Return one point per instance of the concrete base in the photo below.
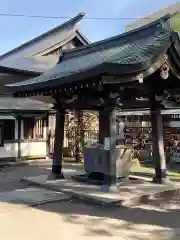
(86, 178)
(124, 194)
(165, 180)
(53, 176)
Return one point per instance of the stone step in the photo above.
(126, 194)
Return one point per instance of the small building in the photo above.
(23, 128)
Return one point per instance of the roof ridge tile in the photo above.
(67, 54)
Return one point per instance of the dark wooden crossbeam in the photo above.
(135, 104)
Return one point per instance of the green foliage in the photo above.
(76, 129)
(135, 154)
(175, 23)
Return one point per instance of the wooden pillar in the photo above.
(103, 125)
(58, 143)
(16, 129)
(46, 133)
(109, 132)
(22, 128)
(112, 133)
(19, 137)
(34, 128)
(158, 152)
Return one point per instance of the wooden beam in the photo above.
(110, 132)
(84, 104)
(103, 125)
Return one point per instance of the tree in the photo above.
(175, 22)
(79, 124)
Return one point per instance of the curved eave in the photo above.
(8, 70)
(126, 74)
(174, 55)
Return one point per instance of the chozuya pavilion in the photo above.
(105, 75)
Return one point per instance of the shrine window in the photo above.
(28, 127)
(38, 129)
(1, 136)
(9, 130)
(33, 128)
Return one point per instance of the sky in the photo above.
(15, 31)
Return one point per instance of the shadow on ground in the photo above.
(134, 223)
(146, 221)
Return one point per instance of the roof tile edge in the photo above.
(125, 34)
(73, 20)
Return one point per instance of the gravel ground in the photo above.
(10, 176)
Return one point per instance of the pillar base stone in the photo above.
(110, 188)
(109, 179)
(161, 176)
(57, 172)
(165, 180)
(53, 176)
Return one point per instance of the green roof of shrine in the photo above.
(132, 52)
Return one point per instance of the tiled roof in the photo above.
(11, 70)
(46, 39)
(32, 55)
(36, 64)
(141, 47)
(25, 104)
